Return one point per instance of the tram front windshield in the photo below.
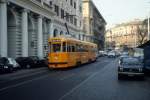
(56, 47)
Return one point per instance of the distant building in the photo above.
(125, 35)
(93, 23)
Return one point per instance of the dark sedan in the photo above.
(5, 65)
(130, 66)
(28, 62)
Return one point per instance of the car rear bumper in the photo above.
(4, 69)
(131, 73)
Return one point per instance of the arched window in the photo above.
(61, 33)
(66, 33)
(55, 32)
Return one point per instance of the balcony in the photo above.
(43, 3)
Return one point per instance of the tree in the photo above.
(142, 32)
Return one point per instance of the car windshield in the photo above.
(131, 61)
(10, 60)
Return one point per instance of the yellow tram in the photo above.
(69, 52)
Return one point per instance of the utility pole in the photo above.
(148, 23)
(148, 28)
(68, 16)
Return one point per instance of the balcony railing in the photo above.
(42, 3)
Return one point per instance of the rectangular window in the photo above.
(57, 10)
(64, 47)
(50, 2)
(62, 13)
(80, 8)
(71, 19)
(73, 48)
(69, 48)
(75, 5)
(49, 50)
(75, 21)
(71, 2)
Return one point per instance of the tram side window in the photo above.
(49, 50)
(81, 48)
(64, 47)
(73, 48)
(56, 47)
(69, 48)
(77, 48)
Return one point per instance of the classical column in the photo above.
(24, 33)
(51, 29)
(3, 28)
(40, 37)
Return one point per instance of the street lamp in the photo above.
(148, 24)
(148, 27)
(66, 22)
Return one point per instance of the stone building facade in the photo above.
(93, 23)
(26, 25)
(70, 12)
(124, 35)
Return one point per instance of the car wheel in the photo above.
(142, 77)
(11, 69)
(28, 66)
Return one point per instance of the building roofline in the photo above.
(94, 6)
(98, 11)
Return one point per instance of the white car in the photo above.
(111, 54)
(14, 63)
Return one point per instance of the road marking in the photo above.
(21, 72)
(82, 83)
(22, 76)
(75, 88)
(22, 83)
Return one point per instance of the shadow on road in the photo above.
(135, 78)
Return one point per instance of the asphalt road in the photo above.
(95, 81)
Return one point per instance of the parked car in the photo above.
(124, 54)
(101, 53)
(111, 54)
(105, 53)
(7, 64)
(14, 63)
(130, 66)
(30, 62)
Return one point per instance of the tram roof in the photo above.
(71, 39)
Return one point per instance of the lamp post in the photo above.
(148, 23)
(148, 28)
(66, 23)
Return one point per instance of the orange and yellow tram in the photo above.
(69, 52)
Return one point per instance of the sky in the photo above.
(118, 11)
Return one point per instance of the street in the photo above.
(95, 81)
